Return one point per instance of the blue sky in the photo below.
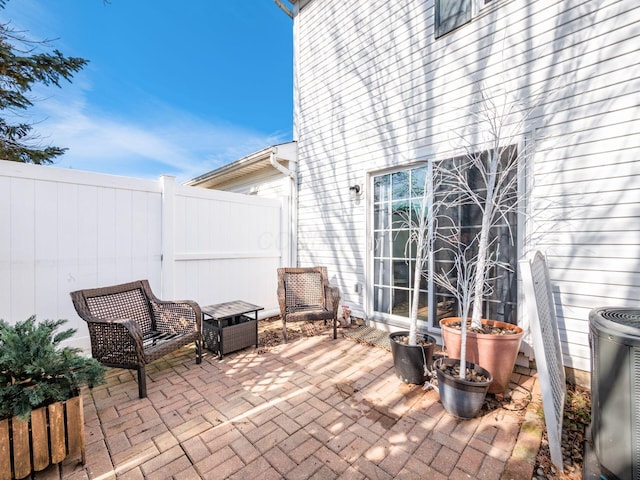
(177, 88)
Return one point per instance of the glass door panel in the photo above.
(397, 198)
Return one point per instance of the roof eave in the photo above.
(245, 166)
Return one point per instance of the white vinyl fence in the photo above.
(63, 230)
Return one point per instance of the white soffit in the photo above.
(252, 163)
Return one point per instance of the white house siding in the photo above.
(267, 182)
(375, 90)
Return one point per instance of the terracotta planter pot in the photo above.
(496, 353)
(51, 434)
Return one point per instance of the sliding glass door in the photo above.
(395, 208)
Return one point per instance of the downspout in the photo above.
(293, 205)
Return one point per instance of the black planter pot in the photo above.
(410, 360)
(461, 398)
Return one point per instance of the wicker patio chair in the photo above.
(305, 294)
(129, 327)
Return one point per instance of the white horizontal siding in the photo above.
(427, 71)
(267, 183)
(375, 90)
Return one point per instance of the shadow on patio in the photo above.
(313, 408)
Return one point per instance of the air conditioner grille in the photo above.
(629, 318)
(635, 409)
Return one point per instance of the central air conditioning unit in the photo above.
(614, 336)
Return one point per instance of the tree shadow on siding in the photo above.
(382, 93)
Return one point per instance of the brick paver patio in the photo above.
(315, 408)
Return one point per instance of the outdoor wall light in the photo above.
(355, 191)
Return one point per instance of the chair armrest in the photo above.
(115, 335)
(332, 298)
(177, 316)
(128, 324)
(282, 301)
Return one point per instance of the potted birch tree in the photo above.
(483, 181)
(487, 184)
(462, 389)
(412, 351)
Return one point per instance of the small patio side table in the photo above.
(230, 326)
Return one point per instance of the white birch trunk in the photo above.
(463, 348)
(413, 323)
(483, 243)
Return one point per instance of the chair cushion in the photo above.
(308, 313)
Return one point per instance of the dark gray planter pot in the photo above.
(461, 398)
(410, 360)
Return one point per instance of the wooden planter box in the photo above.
(53, 433)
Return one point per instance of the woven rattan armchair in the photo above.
(305, 294)
(129, 327)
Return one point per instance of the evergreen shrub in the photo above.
(35, 371)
